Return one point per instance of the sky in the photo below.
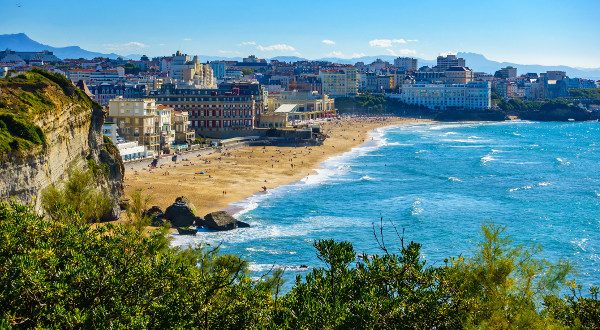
(547, 32)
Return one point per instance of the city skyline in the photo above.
(546, 33)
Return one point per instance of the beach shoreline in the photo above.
(224, 179)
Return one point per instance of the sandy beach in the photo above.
(212, 181)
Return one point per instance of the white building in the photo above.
(339, 82)
(128, 150)
(406, 64)
(473, 95)
(184, 69)
(164, 124)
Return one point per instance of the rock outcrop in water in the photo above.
(222, 220)
(48, 127)
(181, 213)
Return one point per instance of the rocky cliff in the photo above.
(48, 127)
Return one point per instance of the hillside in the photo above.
(21, 42)
(49, 128)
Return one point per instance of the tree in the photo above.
(247, 71)
(78, 195)
(58, 272)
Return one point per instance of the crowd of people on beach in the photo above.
(246, 168)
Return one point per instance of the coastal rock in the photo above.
(187, 231)
(156, 216)
(181, 213)
(242, 224)
(222, 220)
(68, 136)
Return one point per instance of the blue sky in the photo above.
(523, 31)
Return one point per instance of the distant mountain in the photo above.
(210, 58)
(478, 62)
(133, 57)
(371, 59)
(288, 58)
(21, 42)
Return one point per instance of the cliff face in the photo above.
(70, 129)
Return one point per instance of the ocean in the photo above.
(438, 183)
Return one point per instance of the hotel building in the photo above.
(136, 121)
(458, 75)
(339, 81)
(473, 95)
(212, 112)
(445, 62)
(406, 64)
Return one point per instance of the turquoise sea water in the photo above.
(440, 182)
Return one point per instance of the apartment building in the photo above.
(339, 81)
(473, 95)
(187, 70)
(136, 121)
(448, 61)
(458, 75)
(212, 112)
(181, 123)
(406, 64)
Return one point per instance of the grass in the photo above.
(28, 97)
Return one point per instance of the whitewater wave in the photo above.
(256, 267)
(581, 243)
(562, 161)
(333, 167)
(489, 157)
(454, 179)
(398, 144)
(366, 178)
(268, 251)
(520, 188)
(416, 207)
(260, 231)
(468, 140)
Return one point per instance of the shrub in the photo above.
(78, 195)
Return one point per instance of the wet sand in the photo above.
(212, 181)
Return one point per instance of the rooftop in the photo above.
(286, 108)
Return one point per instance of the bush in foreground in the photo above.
(63, 273)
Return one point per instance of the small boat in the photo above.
(571, 119)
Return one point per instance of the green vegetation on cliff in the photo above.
(590, 95)
(28, 97)
(62, 273)
(79, 195)
(544, 110)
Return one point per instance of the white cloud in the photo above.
(345, 56)
(328, 42)
(128, 46)
(401, 52)
(248, 43)
(448, 52)
(276, 47)
(387, 43)
(187, 39)
(228, 52)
